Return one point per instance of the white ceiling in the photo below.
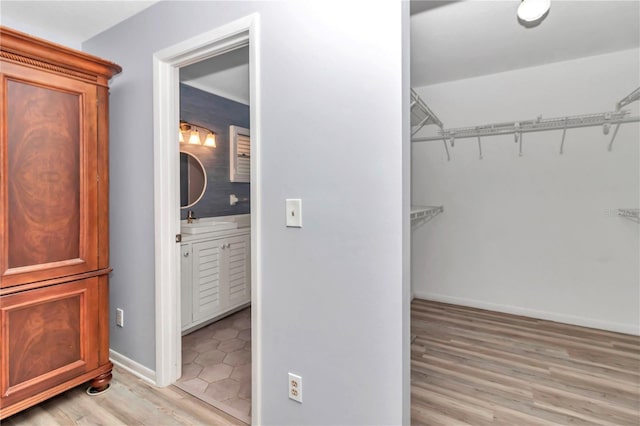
(450, 40)
(226, 75)
(466, 39)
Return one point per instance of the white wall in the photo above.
(536, 235)
(37, 31)
(334, 293)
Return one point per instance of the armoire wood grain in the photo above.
(44, 190)
(54, 190)
(51, 337)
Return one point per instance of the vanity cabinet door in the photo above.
(186, 285)
(206, 278)
(215, 278)
(238, 270)
(48, 174)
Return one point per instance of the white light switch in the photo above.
(294, 212)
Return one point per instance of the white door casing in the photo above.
(166, 65)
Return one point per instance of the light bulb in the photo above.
(180, 137)
(532, 10)
(210, 140)
(194, 139)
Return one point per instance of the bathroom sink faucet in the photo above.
(190, 216)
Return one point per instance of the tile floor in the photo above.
(216, 364)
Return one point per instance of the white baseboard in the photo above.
(633, 329)
(138, 370)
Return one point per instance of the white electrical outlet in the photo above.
(295, 387)
(119, 317)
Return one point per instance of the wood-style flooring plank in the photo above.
(488, 368)
(130, 401)
(469, 367)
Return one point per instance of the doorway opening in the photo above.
(169, 307)
(215, 202)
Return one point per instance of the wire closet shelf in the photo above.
(518, 128)
(421, 115)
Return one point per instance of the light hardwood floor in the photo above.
(130, 401)
(470, 366)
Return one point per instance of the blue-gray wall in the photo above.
(217, 114)
(333, 299)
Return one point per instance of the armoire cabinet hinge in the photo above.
(178, 238)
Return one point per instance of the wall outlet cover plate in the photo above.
(294, 212)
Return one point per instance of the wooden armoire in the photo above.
(54, 220)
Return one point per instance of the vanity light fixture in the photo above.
(533, 11)
(194, 135)
(194, 139)
(210, 141)
(184, 127)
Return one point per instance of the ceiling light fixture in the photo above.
(533, 11)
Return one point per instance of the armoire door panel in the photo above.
(49, 335)
(40, 331)
(44, 189)
(50, 198)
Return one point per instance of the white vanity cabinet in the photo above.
(215, 275)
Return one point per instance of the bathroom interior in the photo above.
(215, 284)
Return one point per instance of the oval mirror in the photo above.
(193, 180)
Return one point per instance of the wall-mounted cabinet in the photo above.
(215, 275)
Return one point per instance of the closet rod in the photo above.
(539, 125)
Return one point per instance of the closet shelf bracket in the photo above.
(425, 212)
(631, 97)
(631, 214)
(421, 115)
